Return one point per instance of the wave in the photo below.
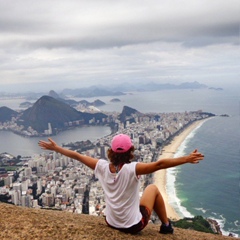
(174, 201)
(201, 210)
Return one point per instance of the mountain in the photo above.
(6, 114)
(98, 103)
(74, 103)
(192, 85)
(61, 97)
(92, 92)
(165, 86)
(129, 114)
(151, 86)
(50, 110)
(119, 89)
(95, 103)
(53, 94)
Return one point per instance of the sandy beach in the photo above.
(168, 152)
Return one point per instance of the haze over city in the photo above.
(74, 44)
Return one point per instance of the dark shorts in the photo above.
(140, 225)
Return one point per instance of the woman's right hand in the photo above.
(51, 145)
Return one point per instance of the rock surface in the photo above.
(32, 224)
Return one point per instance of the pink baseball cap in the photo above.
(121, 143)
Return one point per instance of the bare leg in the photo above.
(153, 200)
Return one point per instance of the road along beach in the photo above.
(159, 178)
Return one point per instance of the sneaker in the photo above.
(166, 229)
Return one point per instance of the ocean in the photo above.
(211, 188)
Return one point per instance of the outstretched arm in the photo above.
(146, 168)
(51, 145)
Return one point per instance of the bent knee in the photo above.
(152, 187)
(149, 196)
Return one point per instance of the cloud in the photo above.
(101, 40)
(96, 24)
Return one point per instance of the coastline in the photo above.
(159, 178)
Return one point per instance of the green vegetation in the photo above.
(197, 223)
(11, 168)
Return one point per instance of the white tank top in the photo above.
(121, 194)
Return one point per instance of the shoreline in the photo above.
(160, 177)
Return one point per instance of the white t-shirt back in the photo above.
(121, 194)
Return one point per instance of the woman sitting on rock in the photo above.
(120, 179)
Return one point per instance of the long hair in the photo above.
(120, 158)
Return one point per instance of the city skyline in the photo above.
(62, 44)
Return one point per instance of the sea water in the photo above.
(211, 188)
(25, 146)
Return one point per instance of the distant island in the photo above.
(25, 105)
(115, 100)
(217, 89)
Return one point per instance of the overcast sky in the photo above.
(74, 43)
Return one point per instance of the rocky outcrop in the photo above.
(27, 223)
(215, 226)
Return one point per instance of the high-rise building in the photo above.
(24, 185)
(49, 200)
(15, 197)
(26, 201)
(49, 129)
(39, 185)
(35, 203)
(102, 152)
(27, 171)
(17, 187)
(54, 190)
(8, 180)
